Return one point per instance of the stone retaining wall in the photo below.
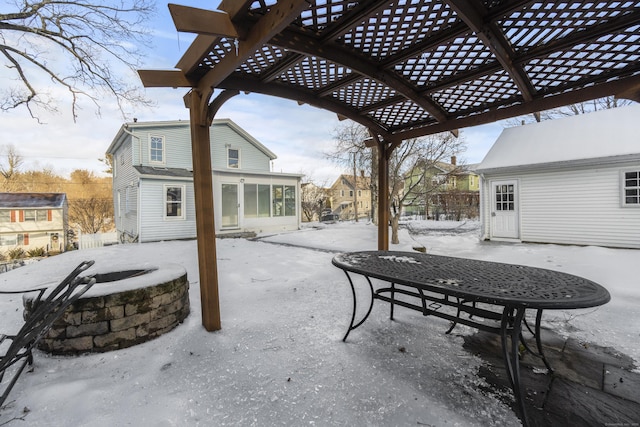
(119, 320)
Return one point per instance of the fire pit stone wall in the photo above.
(122, 309)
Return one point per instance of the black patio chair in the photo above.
(47, 307)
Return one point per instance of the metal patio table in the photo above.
(489, 296)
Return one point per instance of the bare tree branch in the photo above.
(82, 46)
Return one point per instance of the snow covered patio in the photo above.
(279, 359)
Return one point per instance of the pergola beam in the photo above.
(309, 46)
(304, 97)
(474, 14)
(164, 78)
(622, 88)
(278, 18)
(201, 21)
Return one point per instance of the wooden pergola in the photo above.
(401, 68)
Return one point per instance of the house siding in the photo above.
(578, 206)
(142, 218)
(260, 224)
(250, 158)
(126, 178)
(153, 223)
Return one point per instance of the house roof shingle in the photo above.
(32, 200)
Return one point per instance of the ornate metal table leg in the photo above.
(510, 330)
(355, 306)
(393, 294)
(539, 342)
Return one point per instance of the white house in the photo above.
(574, 180)
(33, 220)
(153, 183)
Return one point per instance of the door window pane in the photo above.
(229, 205)
(505, 198)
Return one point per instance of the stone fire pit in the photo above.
(124, 308)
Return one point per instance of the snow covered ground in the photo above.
(279, 358)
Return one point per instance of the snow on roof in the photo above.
(32, 200)
(597, 135)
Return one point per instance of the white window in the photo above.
(233, 158)
(174, 201)
(631, 188)
(5, 215)
(257, 200)
(10, 240)
(284, 200)
(156, 149)
(29, 215)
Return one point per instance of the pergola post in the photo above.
(203, 190)
(383, 195)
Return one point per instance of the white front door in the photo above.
(504, 209)
(230, 206)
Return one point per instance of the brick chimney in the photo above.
(453, 160)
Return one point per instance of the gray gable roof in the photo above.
(593, 138)
(32, 200)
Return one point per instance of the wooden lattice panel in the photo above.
(363, 93)
(478, 94)
(401, 25)
(403, 112)
(585, 61)
(323, 12)
(445, 60)
(406, 68)
(543, 23)
(262, 60)
(314, 73)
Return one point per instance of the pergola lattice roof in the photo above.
(407, 68)
(402, 68)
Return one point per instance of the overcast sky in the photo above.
(298, 135)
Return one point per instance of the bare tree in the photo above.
(75, 44)
(407, 167)
(313, 199)
(10, 162)
(91, 215)
(90, 202)
(350, 137)
(410, 156)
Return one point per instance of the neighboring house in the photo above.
(446, 189)
(153, 183)
(314, 201)
(33, 220)
(347, 196)
(574, 180)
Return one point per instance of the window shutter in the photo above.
(49, 215)
(21, 216)
(26, 239)
(13, 216)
